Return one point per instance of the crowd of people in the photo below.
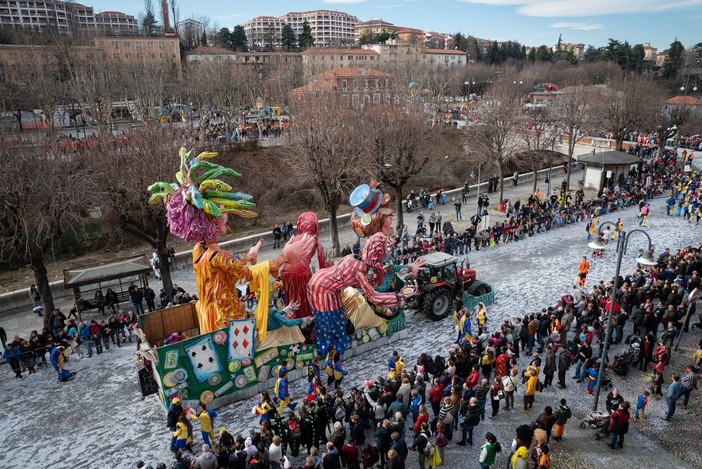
(539, 213)
(417, 411)
(82, 339)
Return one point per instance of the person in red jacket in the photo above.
(619, 424)
(473, 377)
(436, 394)
(96, 335)
(350, 454)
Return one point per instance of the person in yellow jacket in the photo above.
(205, 418)
(519, 459)
(181, 433)
(530, 389)
(482, 318)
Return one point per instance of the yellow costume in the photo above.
(216, 273)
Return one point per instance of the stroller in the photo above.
(595, 420)
(623, 362)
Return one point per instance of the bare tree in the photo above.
(575, 117)
(538, 130)
(626, 106)
(43, 196)
(402, 143)
(150, 154)
(329, 147)
(495, 137)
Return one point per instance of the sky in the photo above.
(531, 22)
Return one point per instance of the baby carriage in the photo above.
(595, 420)
(623, 362)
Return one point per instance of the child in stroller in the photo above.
(624, 361)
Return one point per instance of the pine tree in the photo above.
(305, 39)
(675, 60)
(287, 38)
(238, 40)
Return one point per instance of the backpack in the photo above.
(340, 413)
(497, 447)
(539, 386)
(429, 448)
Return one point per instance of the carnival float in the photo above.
(216, 350)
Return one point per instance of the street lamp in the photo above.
(646, 259)
(477, 189)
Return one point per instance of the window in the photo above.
(365, 84)
(344, 85)
(376, 98)
(377, 84)
(115, 45)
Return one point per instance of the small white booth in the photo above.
(606, 168)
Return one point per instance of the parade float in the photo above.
(214, 351)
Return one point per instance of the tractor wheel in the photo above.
(479, 288)
(438, 304)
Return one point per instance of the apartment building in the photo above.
(577, 49)
(316, 61)
(64, 17)
(329, 28)
(394, 53)
(163, 51)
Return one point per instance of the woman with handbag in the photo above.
(496, 393)
(509, 386)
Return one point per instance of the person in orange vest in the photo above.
(583, 270)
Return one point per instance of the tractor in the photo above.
(438, 283)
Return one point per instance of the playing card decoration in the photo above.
(241, 339)
(203, 358)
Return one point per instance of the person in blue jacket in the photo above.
(281, 391)
(11, 354)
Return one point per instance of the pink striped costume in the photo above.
(325, 286)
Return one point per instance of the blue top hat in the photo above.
(366, 200)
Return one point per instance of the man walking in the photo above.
(675, 390)
(457, 206)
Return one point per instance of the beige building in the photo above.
(577, 49)
(649, 52)
(164, 51)
(372, 27)
(316, 61)
(64, 17)
(439, 58)
(329, 28)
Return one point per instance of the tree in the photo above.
(148, 20)
(575, 119)
(543, 54)
(287, 38)
(495, 139)
(674, 61)
(626, 106)
(591, 54)
(44, 196)
(402, 142)
(330, 148)
(269, 38)
(538, 129)
(305, 39)
(150, 154)
(239, 42)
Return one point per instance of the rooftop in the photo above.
(340, 51)
(684, 101)
(609, 158)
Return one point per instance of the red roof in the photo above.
(210, 50)
(443, 51)
(354, 72)
(340, 51)
(684, 101)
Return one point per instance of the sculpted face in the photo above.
(387, 228)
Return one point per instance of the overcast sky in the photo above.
(531, 22)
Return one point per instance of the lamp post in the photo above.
(646, 259)
(477, 189)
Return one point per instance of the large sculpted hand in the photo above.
(299, 247)
(253, 252)
(416, 266)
